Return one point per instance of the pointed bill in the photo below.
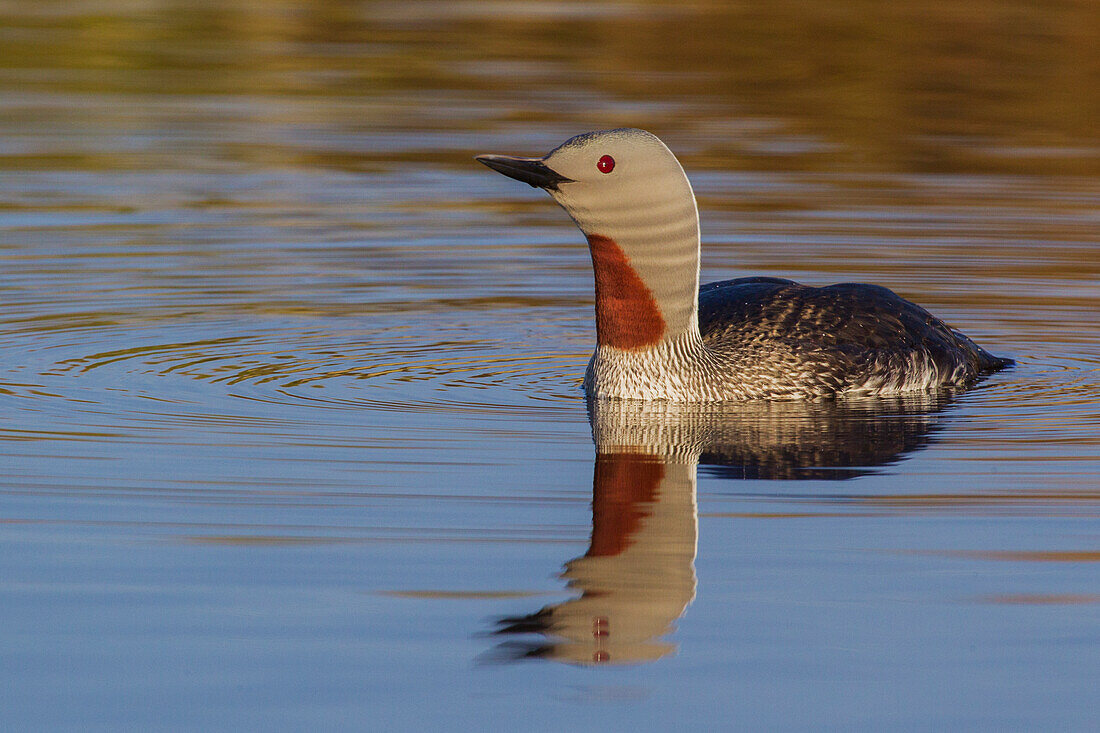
(532, 171)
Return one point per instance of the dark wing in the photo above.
(851, 327)
(723, 284)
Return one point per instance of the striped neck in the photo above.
(645, 259)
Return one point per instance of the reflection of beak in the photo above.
(532, 171)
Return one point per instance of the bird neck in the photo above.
(647, 280)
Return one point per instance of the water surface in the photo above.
(293, 433)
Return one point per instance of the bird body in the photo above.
(659, 336)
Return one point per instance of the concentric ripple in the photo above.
(394, 369)
(1047, 400)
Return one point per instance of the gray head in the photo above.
(629, 195)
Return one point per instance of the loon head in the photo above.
(629, 195)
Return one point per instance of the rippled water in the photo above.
(293, 433)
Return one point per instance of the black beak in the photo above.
(531, 171)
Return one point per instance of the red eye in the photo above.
(606, 164)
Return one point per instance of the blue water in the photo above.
(292, 431)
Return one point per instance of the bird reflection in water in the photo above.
(638, 575)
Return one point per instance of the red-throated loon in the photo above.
(660, 336)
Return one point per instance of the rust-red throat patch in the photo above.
(627, 316)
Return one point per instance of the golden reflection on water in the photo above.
(1027, 556)
(947, 152)
(933, 85)
(1041, 599)
(462, 595)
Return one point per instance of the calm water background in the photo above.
(291, 420)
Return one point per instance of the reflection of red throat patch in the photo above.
(627, 316)
(623, 487)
